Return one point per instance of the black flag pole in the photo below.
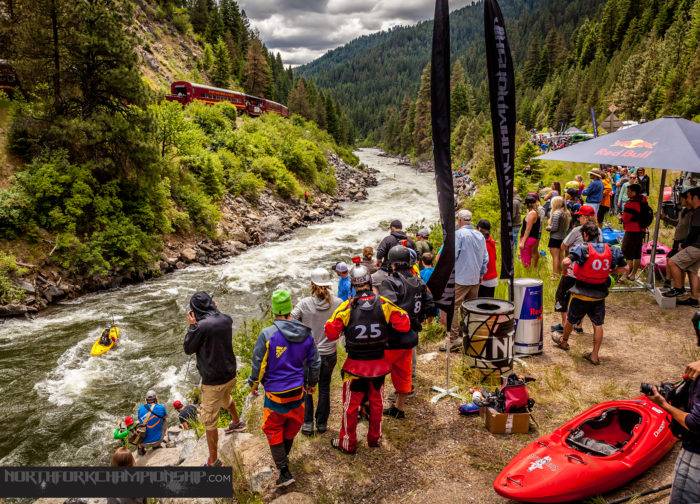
(502, 97)
(441, 283)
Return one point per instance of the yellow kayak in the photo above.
(100, 349)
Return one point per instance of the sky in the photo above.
(303, 30)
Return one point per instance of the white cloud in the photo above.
(302, 30)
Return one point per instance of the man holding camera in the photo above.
(686, 483)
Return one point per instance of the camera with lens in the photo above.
(677, 395)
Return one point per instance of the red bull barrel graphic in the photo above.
(630, 149)
(529, 332)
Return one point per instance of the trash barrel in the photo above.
(529, 332)
(488, 329)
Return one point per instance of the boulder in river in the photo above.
(188, 254)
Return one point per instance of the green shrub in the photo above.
(208, 169)
(248, 185)
(326, 182)
(267, 167)
(9, 291)
(305, 160)
(287, 185)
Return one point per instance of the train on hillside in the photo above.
(185, 92)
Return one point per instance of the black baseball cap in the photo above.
(396, 223)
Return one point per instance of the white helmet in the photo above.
(360, 275)
(321, 277)
(151, 396)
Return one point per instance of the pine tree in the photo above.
(298, 102)
(457, 76)
(422, 133)
(207, 57)
(332, 120)
(215, 26)
(221, 74)
(257, 70)
(199, 15)
(459, 103)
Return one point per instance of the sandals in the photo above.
(588, 357)
(235, 427)
(559, 342)
(217, 463)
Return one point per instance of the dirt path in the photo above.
(437, 456)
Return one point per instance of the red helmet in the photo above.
(177, 405)
(128, 421)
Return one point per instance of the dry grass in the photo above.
(437, 456)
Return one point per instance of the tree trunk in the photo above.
(56, 58)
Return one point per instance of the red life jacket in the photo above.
(597, 267)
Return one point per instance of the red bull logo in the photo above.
(631, 149)
(633, 144)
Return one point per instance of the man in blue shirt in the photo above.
(471, 260)
(594, 191)
(153, 416)
(345, 289)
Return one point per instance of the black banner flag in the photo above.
(502, 95)
(441, 283)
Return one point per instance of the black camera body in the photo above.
(677, 394)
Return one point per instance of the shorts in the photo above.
(554, 243)
(279, 427)
(686, 482)
(215, 397)
(563, 296)
(688, 259)
(632, 245)
(579, 308)
(401, 362)
(528, 251)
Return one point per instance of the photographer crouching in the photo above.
(686, 483)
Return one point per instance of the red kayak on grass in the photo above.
(598, 451)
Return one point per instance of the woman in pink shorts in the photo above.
(530, 232)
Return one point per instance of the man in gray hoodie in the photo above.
(314, 311)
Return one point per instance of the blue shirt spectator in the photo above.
(426, 273)
(153, 416)
(594, 191)
(471, 257)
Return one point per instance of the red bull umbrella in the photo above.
(670, 143)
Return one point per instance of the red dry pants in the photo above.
(355, 389)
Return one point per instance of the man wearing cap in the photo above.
(152, 415)
(594, 191)
(562, 297)
(423, 246)
(345, 289)
(471, 263)
(185, 414)
(688, 258)
(286, 362)
(396, 237)
(209, 335)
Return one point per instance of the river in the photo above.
(59, 405)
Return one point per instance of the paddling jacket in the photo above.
(153, 417)
(631, 214)
(365, 320)
(590, 283)
(410, 294)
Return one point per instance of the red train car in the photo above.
(185, 92)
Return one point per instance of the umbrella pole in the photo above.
(657, 226)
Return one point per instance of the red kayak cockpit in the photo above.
(606, 434)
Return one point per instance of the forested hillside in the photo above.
(569, 56)
(102, 169)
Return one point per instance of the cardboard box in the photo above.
(505, 423)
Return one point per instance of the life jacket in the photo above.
(409, 297)
(597, 267)
(367, 331)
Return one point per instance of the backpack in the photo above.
(646, 215)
